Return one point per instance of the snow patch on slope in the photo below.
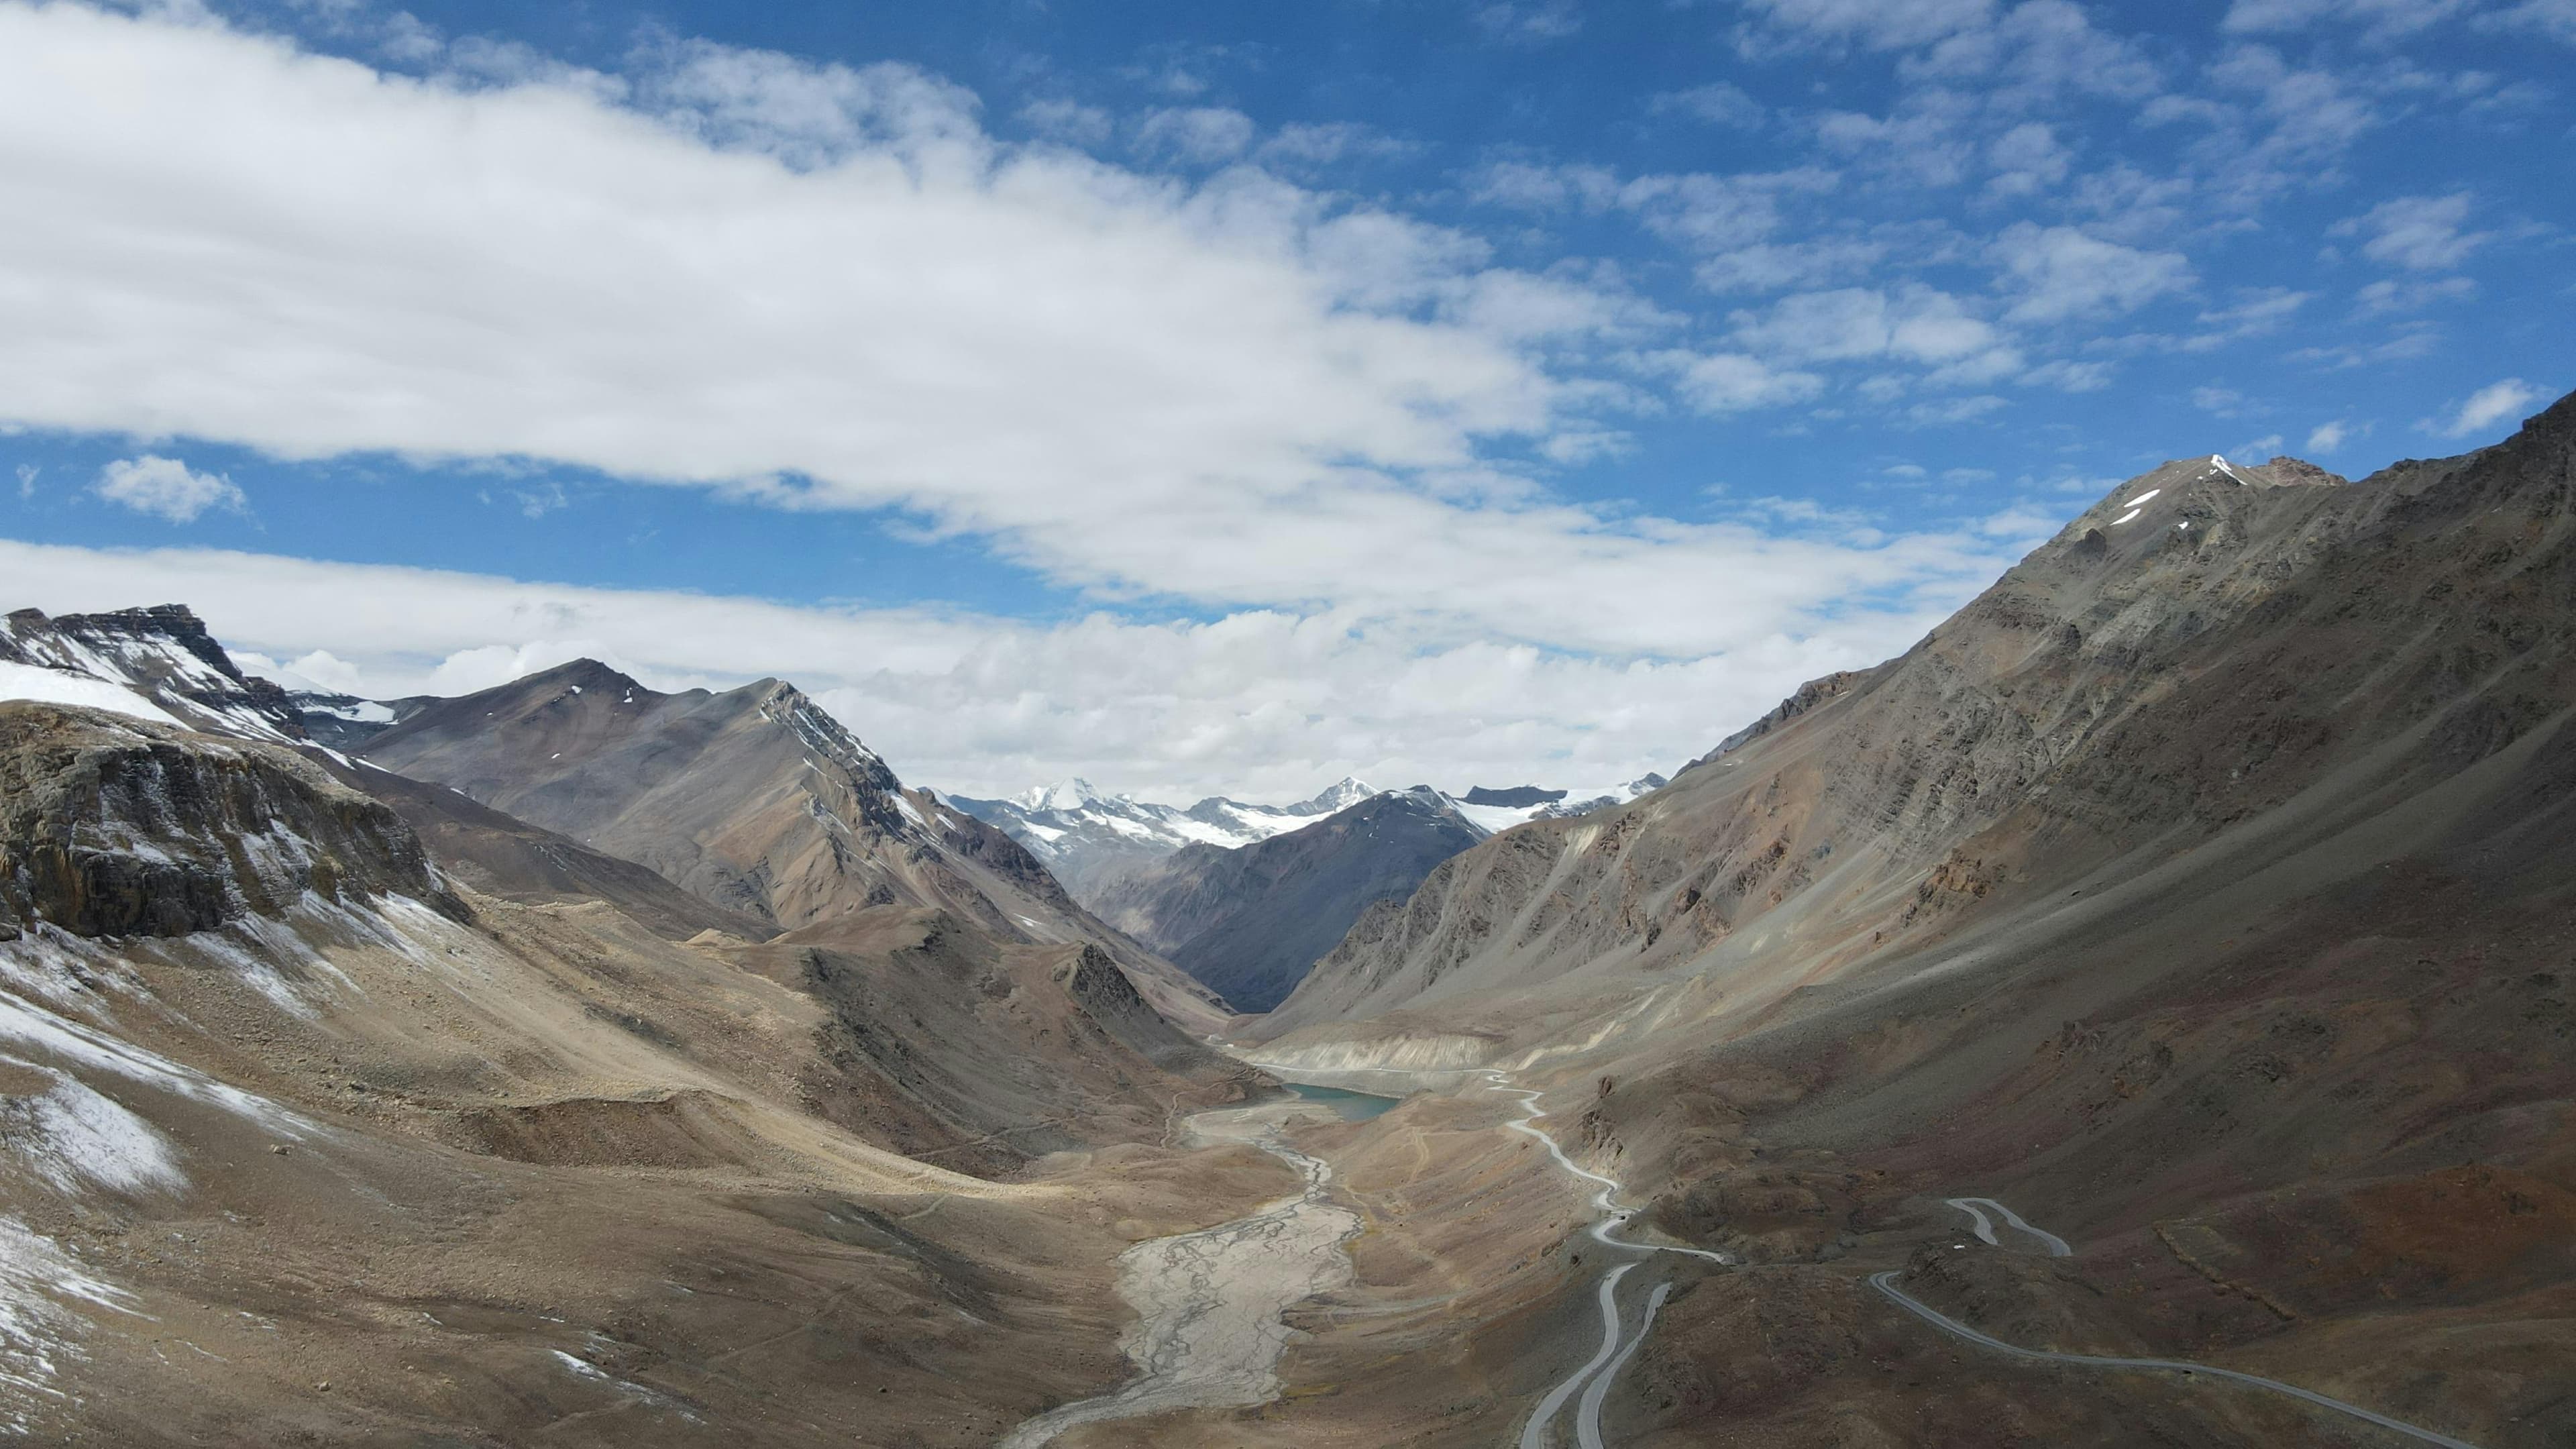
(43, 1291)
(71, 1136)
(59, 686)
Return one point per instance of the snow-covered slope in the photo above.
(1088, 839)
(157, 664)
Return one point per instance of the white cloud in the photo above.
(2327, 437)
(2419, 233)
(1530, 22)
(1879, 24)
(2223, 401)
(2385, 18)
(1727, 382)
(2033, 52)
(805, 114)
(1953, 410)
(2059, 274)
(2289, 129)
(164, 487)
(820, 288)
(1719, 103)
(1197, 135)
(2027, 158)
(2553, 18)
(1768, 266)
(2067, 375)
(1310, 144)
(1070, 122)
(2488, 406)
(2257, 310)
(2412, 294)
(1924, 147)
(1915, 323)
(1259, 703)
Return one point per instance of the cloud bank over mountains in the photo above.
(1310, 461)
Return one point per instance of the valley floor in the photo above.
(1470, 1300)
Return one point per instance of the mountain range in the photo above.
(1086, 838)
(2148, 991)
(1248, 922)
(1246, 897)
(2202, 880)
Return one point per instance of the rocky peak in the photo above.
(1340, 795)
(827, 738)
(163, 653)
(2299, 472)
(586, 677)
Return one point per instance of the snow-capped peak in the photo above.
(1063, 795)
(1340, 795)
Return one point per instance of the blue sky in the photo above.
(1224, 398)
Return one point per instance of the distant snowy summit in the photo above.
(1085, 836)
(1092, 840)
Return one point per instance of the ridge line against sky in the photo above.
(1202, 411)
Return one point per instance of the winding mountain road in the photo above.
(1587, 1415)
(1975, 1208)
(1885, 1283)
(1595, 1377)
(1534, 1433)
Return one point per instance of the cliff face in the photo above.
(111, 826)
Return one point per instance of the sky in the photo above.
(1222, 398)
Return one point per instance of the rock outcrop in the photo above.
(111, 826)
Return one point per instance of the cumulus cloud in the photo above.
(816, 287)
(2327, 437)
(1261, 703)
(163, 487)
(2027, 158)
(2488, 406)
